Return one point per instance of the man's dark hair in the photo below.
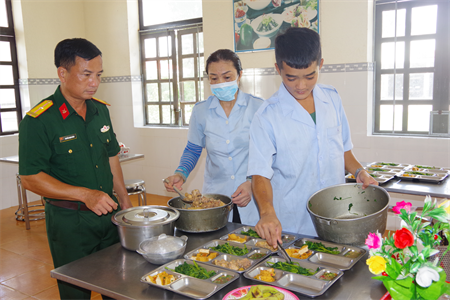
(225, 55)
(67, 50)
(298, 48)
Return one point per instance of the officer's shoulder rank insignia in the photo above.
(101, 101)
(40, 108)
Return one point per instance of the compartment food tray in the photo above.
(190, 286)
(348, 255)
(381, 177)
(434, 176)
(310, 286)
(286, 238)
(229, 257)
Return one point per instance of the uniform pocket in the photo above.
(69, 155)
(335, 142)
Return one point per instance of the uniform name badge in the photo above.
(69, 137)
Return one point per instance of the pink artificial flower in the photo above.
(399, 205)
(374, 241)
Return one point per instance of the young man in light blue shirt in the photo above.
(299, 140)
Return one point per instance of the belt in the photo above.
(69, 204)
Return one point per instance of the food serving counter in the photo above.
(116, 272)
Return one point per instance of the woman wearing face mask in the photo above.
(221, 124)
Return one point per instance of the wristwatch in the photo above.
(357, 172)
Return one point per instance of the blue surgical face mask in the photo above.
(225, 91)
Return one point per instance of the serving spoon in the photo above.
(182, 197)
(284, 253)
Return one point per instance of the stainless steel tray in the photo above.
(430, 175)
(286, 238)
(230, 257)
(381, 177)
(390, 165)
(190, 286)
(348, 255)
(310, 286)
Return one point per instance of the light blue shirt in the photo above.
(298, 156)
(226, 140)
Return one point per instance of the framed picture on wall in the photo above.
(257, 22)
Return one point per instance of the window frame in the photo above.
(440, 99)
(175, 30)
(8, 34)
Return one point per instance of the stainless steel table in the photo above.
(27, 215)
(116, 272)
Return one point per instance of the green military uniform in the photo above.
(54, 139)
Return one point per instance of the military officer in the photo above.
(68, 154)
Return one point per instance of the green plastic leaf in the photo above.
(415, 267)
(434, 291)
(401, 289)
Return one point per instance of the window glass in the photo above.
(422, 53)
(419, 117)
(5, 51)
(150, 48)
(200, 42)
(6, 75)
(166, 92)
(164, 44)
(7, 98)
(166, 69)
(167, 114)
(187, 41)
(423, 20)
(188, 68)
(160, 12)
(152, 92)
(3, 15)
(421, 86)
(388, 23)
(188, 112)
(153, 114)
(188, 91)
(9, 121)
(387, 87)
(392, 54)
(151, 70)
(388, 120)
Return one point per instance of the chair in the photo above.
(23, 213)
(137, 187)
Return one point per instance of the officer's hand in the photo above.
(100, 203)
(173, 180)
(243, 195)
(269, 228)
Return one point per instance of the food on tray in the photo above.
(193, 270)
(266, 275)
(301, 253)
(267, 24)
(418, 173)
(293, 267)
(408, 175)
(251, 233)
(223, 279)
(239, 13)
(234, 238)
(318, 246)
(328, 276)
(229, 249)
(235, 264)
(388, 164)
(263, 292)
(264, 244)
(376, 166)
(417, 167)
(257, 255)
(287, 238)
(376, 169)
(204, 255)
(161, 278)
(201, 202)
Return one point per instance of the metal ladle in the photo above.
(182, 197)
(284, 253)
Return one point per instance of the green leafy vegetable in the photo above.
(321, 248)
(376, 169)
(425, 167)
(419, 173)
(193, 270)
(293, 267)
(388, 164)
(350, 206)
(251, 233)
(227, 248)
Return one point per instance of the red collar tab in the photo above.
(64, 111)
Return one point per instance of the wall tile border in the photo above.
(332, 68)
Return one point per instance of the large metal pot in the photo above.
(346, 213)
(202, 220)
(140, 223)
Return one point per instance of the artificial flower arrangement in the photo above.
(405, 260)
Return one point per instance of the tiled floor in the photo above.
(25, 260)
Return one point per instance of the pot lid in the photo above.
(146, 215)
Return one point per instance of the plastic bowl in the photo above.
(159, 250)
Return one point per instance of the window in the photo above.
(10, 109)
(172, 64)
(412, 65)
